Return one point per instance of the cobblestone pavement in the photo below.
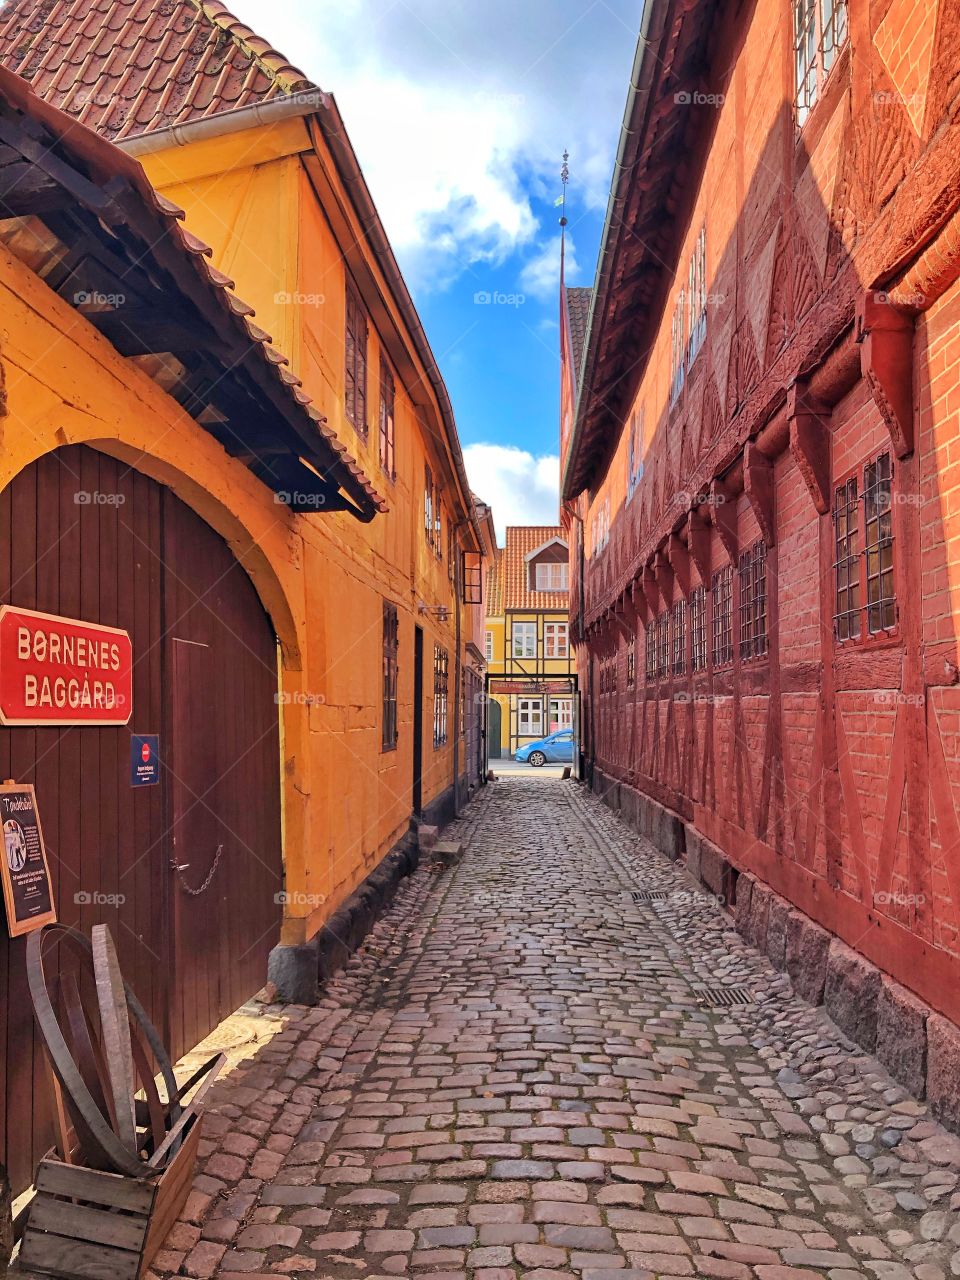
(516, 1077)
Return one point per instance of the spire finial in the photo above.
(564, 178)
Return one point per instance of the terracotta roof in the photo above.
(102, 162)
(495, 585)
(128, 67)
(521, 540)
(578, 311)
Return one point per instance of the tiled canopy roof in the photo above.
(521, 540)
(128, 67)
(578, 310)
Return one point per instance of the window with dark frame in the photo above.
(355, 384)
(678, 348)
(846, 561)
(697, 292)
(753, 601)
(441, 673)
(428, 504)
(437, 523)
(878, 545)
(819, 33)
(631, 662)
(698, 628)
(721, 593)
(650, 650)
(863, 554)
(679, 630)
(663, 645)
(391, 646)
(388, 399)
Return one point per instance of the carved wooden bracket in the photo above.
(724, 512)
(679, 559)
(698, 545)
(886, 337)
(664, 576)
(758, 486)
(810, 443)
(640, 601)
(651, 594)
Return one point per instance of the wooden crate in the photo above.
(88, 1225)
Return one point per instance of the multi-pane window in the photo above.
(530, 717)
(600, 527)
(631, 662)
(864, 577)
(878, 544)
(663, 645)
(555, 639)
(355, 383)
(753, 601)
(698, 628)
(819, 33)
(679, 630)
(650, 651)
(697, 290)
(524, 639)
(428, 505)
(437, 523)
(721, 591)
(678, 348)
(635, 454)
(552, 577)
(560, 715)
(846, 563)
(441, 678)
(388, 400)
(391, 645)
(488, 646)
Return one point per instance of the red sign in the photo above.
(63, 671)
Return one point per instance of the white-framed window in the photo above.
(635, 454)
(555, 640)
(560, 714)
(530, 717)
(524, 639)
(678, 347)
(697, 296)
(488, 646)
(552, 577)
(819, 33)
(600, 527)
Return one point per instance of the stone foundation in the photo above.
(920, 1048)
(298, 972)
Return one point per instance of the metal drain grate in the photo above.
(649, 895)
(724, 997)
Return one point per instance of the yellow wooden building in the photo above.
(529, 659)
(372, 607)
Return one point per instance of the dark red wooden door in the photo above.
(85, 536)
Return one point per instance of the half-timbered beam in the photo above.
(679, 558)
(724, 513)
(663, 573)
(698, 545)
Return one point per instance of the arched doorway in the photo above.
(186, 873)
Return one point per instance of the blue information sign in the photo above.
(144, 759)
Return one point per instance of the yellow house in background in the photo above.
(377, 621)
(527, 645)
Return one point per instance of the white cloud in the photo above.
(521, 488)
(460, 113)
(541, 273)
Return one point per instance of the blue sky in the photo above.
(459, 113)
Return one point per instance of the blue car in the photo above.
(556, 748)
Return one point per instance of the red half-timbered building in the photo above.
(761, 461)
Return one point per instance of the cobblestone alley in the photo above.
(517, 1077)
